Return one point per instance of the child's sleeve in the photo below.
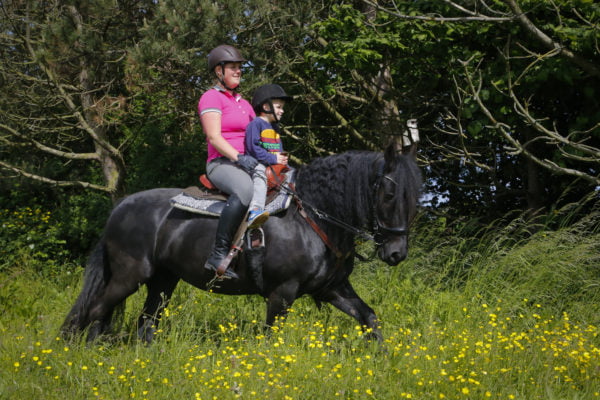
(254, 148)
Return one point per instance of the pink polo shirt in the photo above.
(235, 112)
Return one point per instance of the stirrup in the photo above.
(255, 238)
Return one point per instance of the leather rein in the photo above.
(379, 231)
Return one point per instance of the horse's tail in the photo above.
(97, 275)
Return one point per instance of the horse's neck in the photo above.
(329, 190)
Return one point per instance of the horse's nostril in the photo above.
(395, 258)
(398, 257)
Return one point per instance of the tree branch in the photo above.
(473, 16)
(505, 130)
(69, 102)
(52, 181)
(339, 117)
(50, 150)
(548, 42)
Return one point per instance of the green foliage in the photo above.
(76, 220)
(164, 152)
(82, 216)
(31, 236)
(353, 45)
(520, 256)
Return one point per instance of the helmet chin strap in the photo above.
(274, 124)
(271, 110)
(221, 80)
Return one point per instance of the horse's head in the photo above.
(396, 194)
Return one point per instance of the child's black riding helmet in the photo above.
(266, 93)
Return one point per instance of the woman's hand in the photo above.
(247, 162)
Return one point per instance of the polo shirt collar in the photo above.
(235, 96)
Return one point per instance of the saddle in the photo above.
(207, 199)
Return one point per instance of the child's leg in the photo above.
(259, 178)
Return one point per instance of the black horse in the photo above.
(146, 241)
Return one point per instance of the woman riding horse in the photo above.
(224, 115)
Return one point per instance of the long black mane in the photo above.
(343, 184)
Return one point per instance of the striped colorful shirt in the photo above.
(262, 141)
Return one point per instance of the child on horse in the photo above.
(263, 142)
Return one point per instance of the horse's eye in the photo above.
(388, 196)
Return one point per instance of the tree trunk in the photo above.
(535, 188)
(112, 164)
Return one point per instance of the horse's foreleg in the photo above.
(160, 288)
(280, 300)
(345, 298)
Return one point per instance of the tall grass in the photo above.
(504, 311)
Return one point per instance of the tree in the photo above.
(360, 70)
(504, 110)
(524, 110)
(65, 93)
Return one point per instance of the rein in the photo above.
(318, 229)
(333, 220)
(378, 229)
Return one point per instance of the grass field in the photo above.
(513, 314)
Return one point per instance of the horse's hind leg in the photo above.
(101, 311)
(345, 298)
(127, 273)
(160, 288)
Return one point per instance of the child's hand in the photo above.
(282, 158)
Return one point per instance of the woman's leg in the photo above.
(238, 184)
(231, 179)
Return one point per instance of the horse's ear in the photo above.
(392, 150)
(410, 138)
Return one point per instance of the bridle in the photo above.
(380, 230)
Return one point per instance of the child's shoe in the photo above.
(257, 217)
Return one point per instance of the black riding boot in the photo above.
(231, 217)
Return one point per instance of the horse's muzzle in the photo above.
(394, 250)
